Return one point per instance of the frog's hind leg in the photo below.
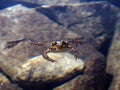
(75, 52)
(46, 56)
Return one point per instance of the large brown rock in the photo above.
(42, 71)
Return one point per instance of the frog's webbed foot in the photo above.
(46, 56)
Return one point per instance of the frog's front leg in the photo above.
(30, 41)
(75, 52)
(46, 56)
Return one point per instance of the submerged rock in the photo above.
(64, 67)
(40, 70)
(113, 60)
(95, 21)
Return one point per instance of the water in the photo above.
(55, 23)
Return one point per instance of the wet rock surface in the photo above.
(24, 64)
(113, 61)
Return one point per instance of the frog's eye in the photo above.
(54, 43)
(64, 42)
